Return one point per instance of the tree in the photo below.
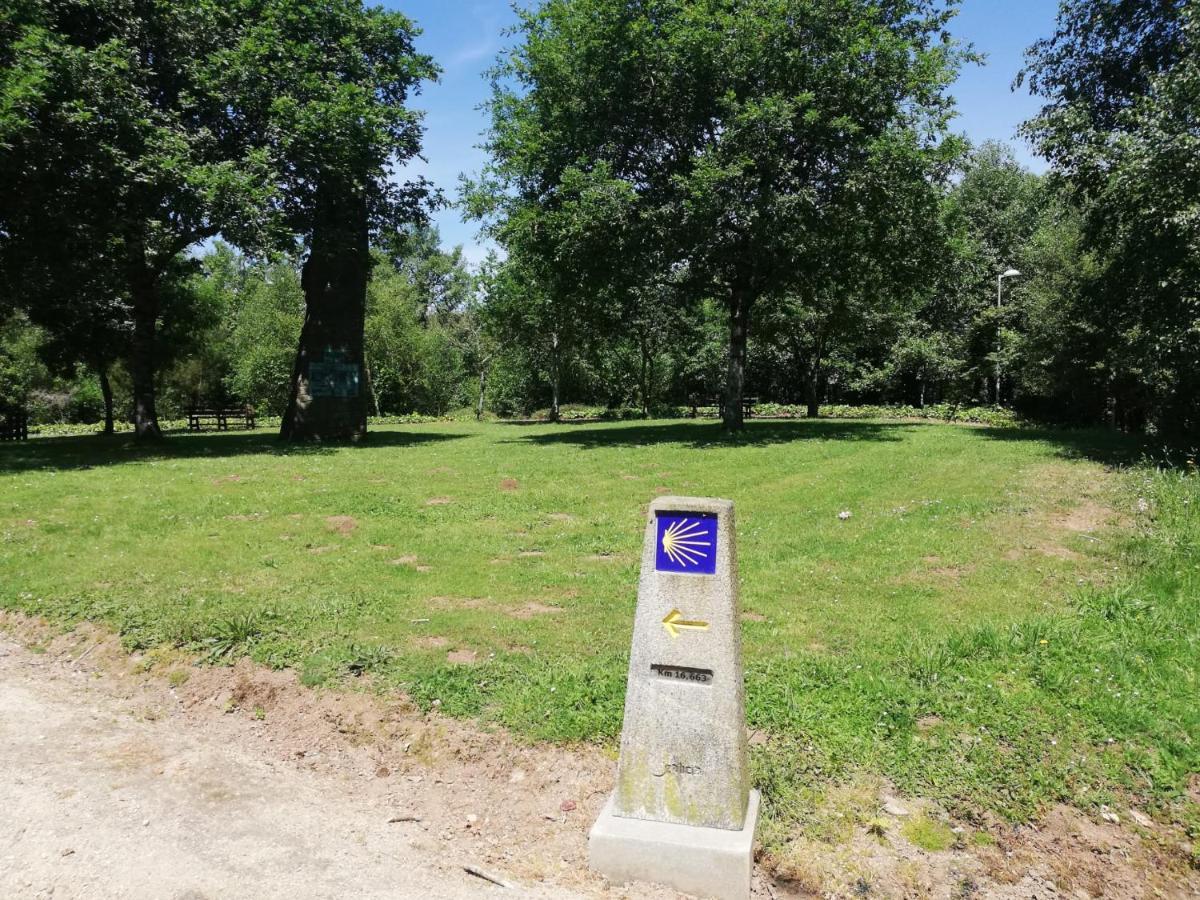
(325, 86)
(987, 220)
(265, 312)
(117, 154)
(1121, 81)
(727, 137)
(416, 365)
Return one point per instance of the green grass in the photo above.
(951, 635)
(928, 834)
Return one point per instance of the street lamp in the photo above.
(1009, 273)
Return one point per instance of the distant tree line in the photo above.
(766, 198)
(693, 202)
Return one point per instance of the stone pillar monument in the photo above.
(683, 813)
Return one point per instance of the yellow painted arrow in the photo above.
(675, 621)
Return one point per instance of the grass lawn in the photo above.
(998, 626)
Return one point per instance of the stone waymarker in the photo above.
(683, 813)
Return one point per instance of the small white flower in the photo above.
(844, 515)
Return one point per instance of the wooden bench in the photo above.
(219, 416)
(748, 404)
(14, 424)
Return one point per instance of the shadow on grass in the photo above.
(710, 435)
(1102, 445)
(92, 451)
(1105, 446)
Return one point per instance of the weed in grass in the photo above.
(982, 839)
(177, 678)
(234, 634)
(352, 659)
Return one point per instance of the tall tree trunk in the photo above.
(813, 384)
(142, 356)
(327, 400)
(371, 386)
(813, 389)
(735, 380)
(106, 391)
(646, 373)
(555, 377)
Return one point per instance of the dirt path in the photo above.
(100, 796)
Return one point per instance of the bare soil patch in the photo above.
(343, 525)
(1056, 552)
(463, 657)
(605, 557)
(432, 642)
(509, 485)
(1087, 517)
(532, 609)
(439, 501)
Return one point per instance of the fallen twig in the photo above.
(84, 655)
(487, 876)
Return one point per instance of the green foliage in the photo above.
(21, 368)
(1120, 82)
(128, 137)
(264, 321)
(992, 416)
(415, 361)
(768, 160)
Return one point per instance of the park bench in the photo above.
(219, 416)
(748, 404)
(14, 424)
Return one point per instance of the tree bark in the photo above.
(371, 386)
(327, 400)
(555, 375)
(813, 382)
(813, 409)
(106, 390)
(735, 380)
(142, 357)
(644, 377)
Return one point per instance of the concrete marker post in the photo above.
(683, 813)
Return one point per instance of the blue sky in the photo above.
(465, 35)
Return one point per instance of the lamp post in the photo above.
(1009, 273)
